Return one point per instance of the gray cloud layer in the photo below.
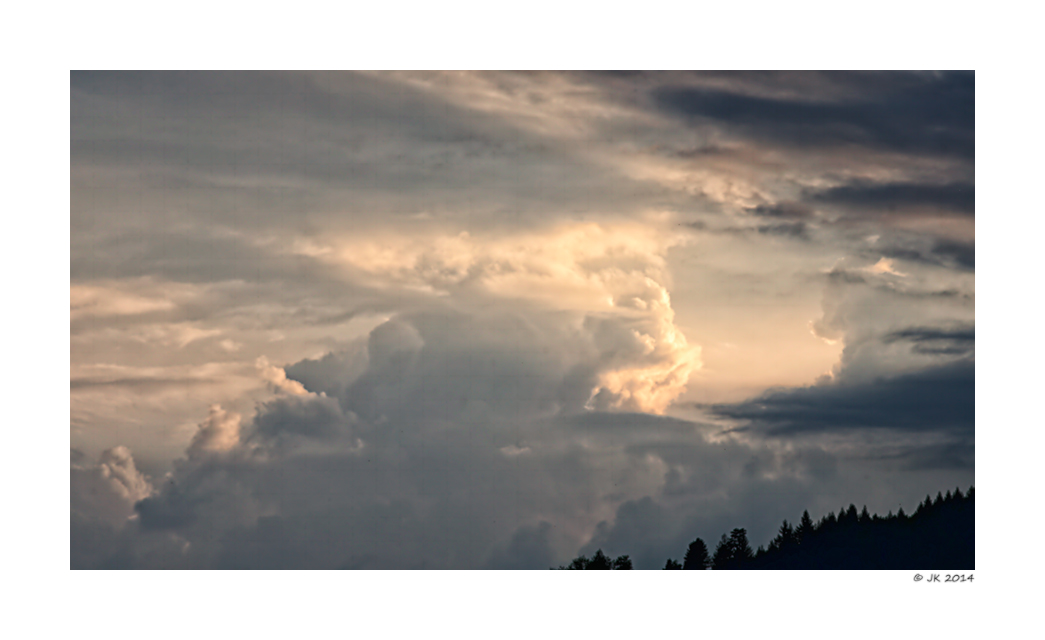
(525, 315)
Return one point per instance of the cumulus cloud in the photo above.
(388, 474)
(606, 275)
(217, 434)
(108, 489)
(500, 296)
(277, 377)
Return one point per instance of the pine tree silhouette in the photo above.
(733, 552)
(697, 556)
(723, 554)
(741, 549)
(805, 527)
(599, 561)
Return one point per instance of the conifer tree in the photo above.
(697, 556)
(850, 514)
(723, 554)
(742, 552)
(805, 527)
(599, 561)
(785, 537)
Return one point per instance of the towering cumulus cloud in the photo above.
(495, 320)
(607, 281)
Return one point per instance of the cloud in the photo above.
(905, 113)
(936, 399)
(529, 548)
(400, 486)
(884, 265)
(955, 454)
(782, 210)
(277, 377)
(107, 490)
(102, 301)
(217, 434)
(309, 416)
(962, 253)
(412, 480)
(954, 197)
(798, 230)
(612, 277)
(500, 295)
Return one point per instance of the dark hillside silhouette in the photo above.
(940, 534)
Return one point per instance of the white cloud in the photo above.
(277, 377)
(219, 433)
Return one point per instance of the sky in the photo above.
(497, 320)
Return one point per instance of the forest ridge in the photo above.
(940, 534)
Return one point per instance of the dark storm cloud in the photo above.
(949, 254)
(316, 417)
(935, 399)
(491, 480)
(963, 253)
(332, 373)
(958, 197)
(172, 509)
(935, 340)
(783, 210)
(906, 113)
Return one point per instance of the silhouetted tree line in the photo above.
(939, 534)
(599, 561)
